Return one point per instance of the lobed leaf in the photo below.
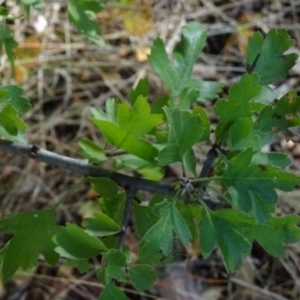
(178, 72)
(240, 104)
(32, 234)
(252, 187)
(231, 231)
(80, 19)
(272, 65)
(130, 126)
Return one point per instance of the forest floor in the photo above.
(64, 74)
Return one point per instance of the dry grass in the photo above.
(64, 74)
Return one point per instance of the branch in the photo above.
(82, 167)
(130, 192)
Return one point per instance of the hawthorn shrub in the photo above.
(146, 138)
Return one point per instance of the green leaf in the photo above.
(10, 120)
(239, 132)
(36, 4)
(4, 12)
(115, 265)
(177, 74)
(145, 218)
(281, 116)
(104, 186)
(12, 94)
(74, 243)
(131, 125)
(32, 234)
(142, 88)
(185, 131)
(180, 227)
(208, 89)
(160, 235)
(142, 277)
(100, 225)
(272, 64)
(278, 231)
(162, 66)
(7, 44)
(90, 150)
(240, 104)
(275, 159)
(149, 170)
(252, 187)
(233, 233)
(111, 292)
(111, 110)
(80, 18)
(82, 265)
(113, 207)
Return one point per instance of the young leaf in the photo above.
(231, 231)
(252, 188)
(132, 124)
(74, 243)
(111, 111)
(271, 65)
(178, 74)
(162, 66)
(142, 277)
(100, 225)
(32, 234)
(276, 232)
(80, 19)
(239, 105)
(111, 292)
(90, 150)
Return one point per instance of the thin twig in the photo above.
(130, 192)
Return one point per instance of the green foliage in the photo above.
(272, 65)
(144, 138)
(252, 187)
(177, 73)
(112, 292)
(7, 43)
(74, 243)
(80, 18)
(142, 276)
(185, 131)
(32, 234)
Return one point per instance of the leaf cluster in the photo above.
(144, 137)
